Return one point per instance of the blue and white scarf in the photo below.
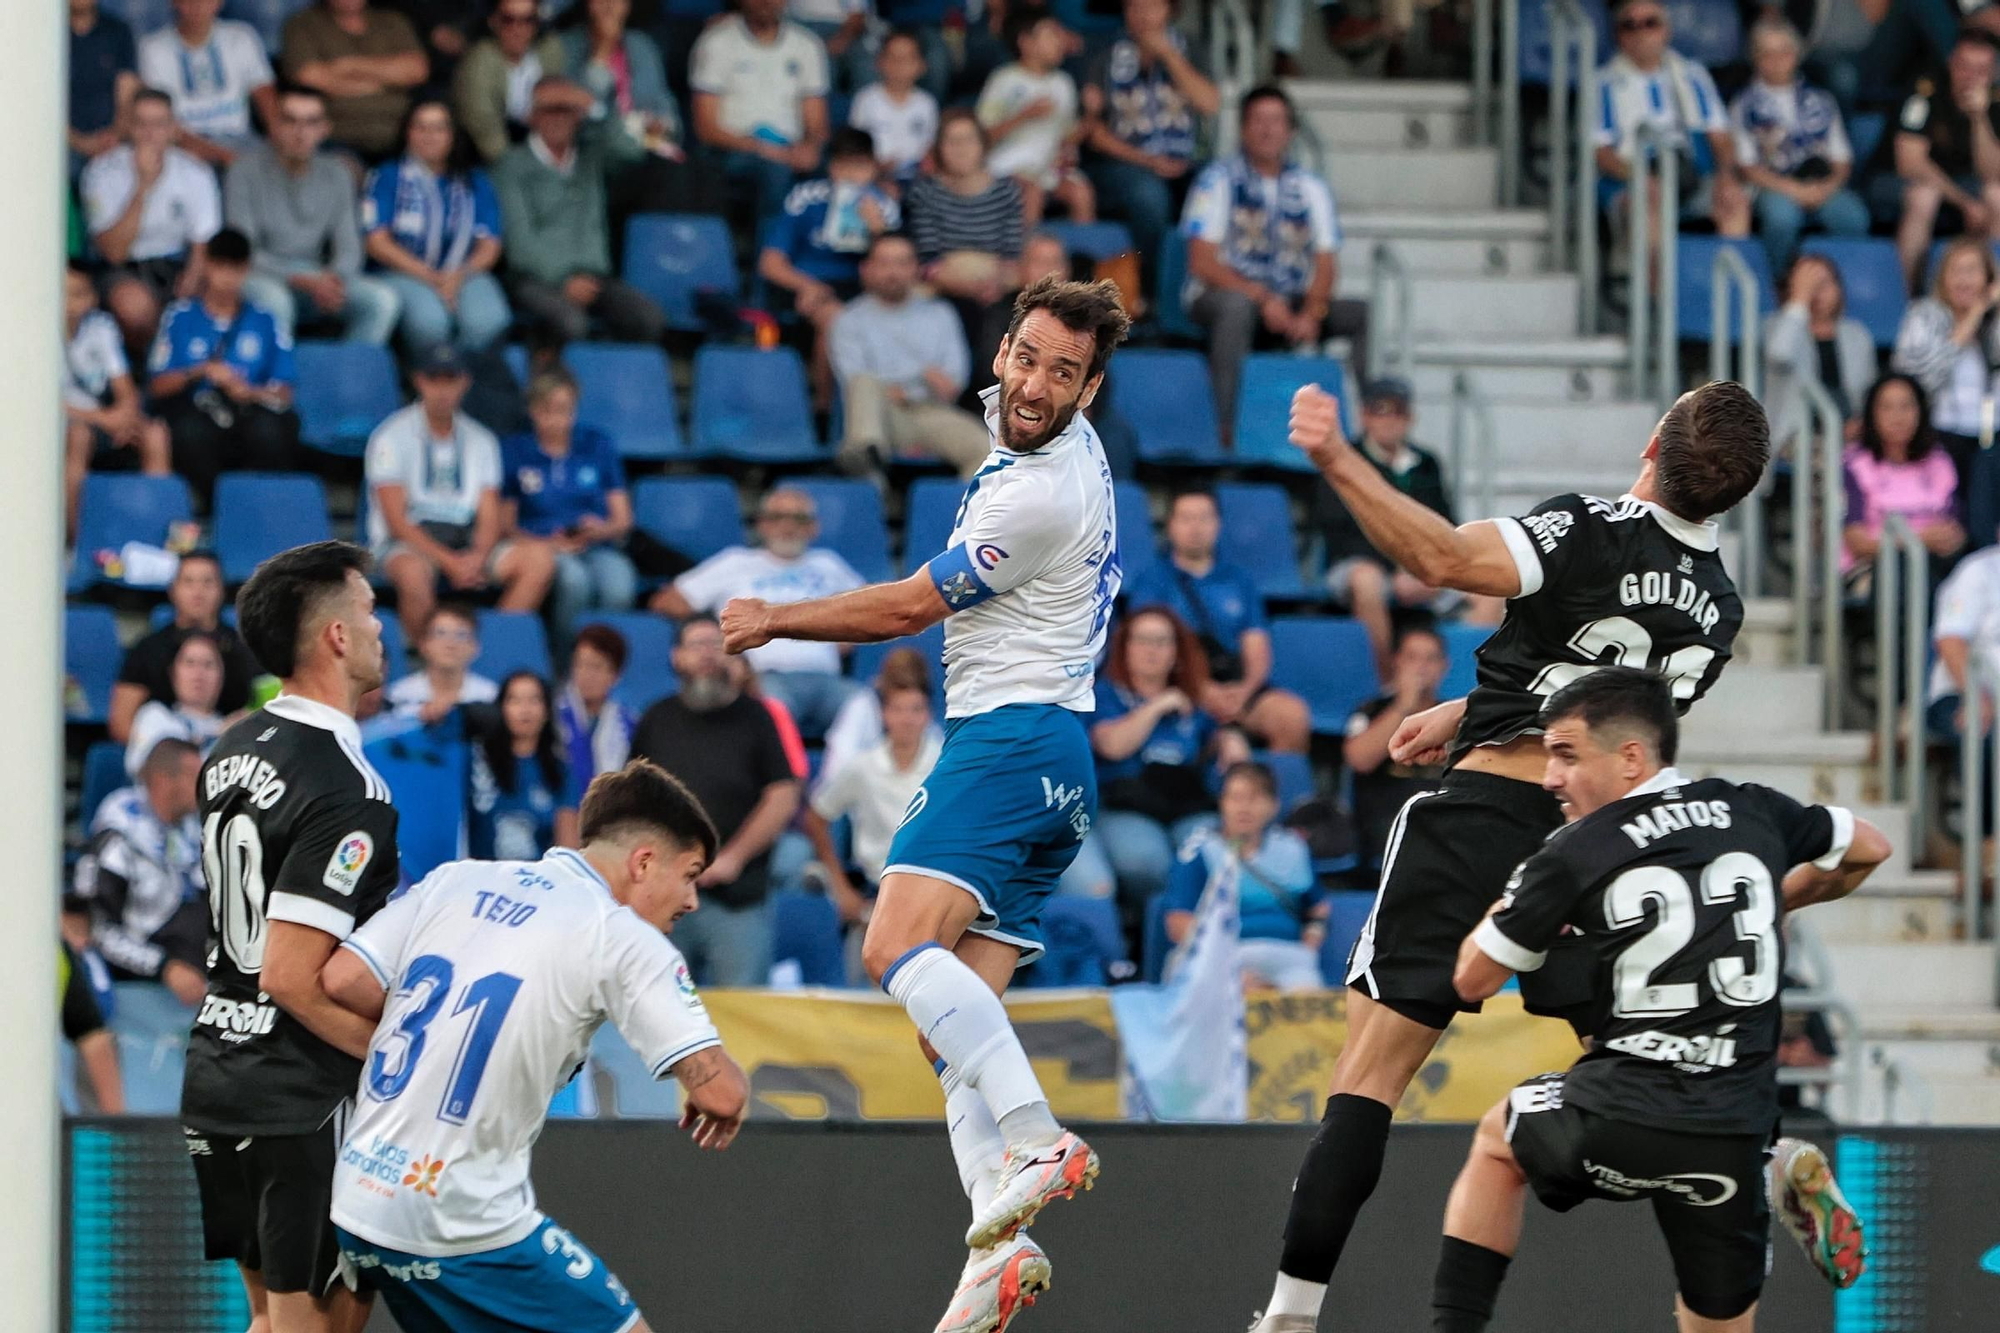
(1271, 246)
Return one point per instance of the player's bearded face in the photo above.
(1043, 370)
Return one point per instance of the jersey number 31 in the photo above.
(426, 986)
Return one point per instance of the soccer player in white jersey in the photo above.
(1028, 582)
(490, 978)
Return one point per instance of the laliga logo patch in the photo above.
(685, 983)
(349, 859)
(988, 555)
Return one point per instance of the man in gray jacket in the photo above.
(297, 206)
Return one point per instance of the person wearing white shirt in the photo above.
(805, 677)
(150, 208)
(1029, 110)
(103, 425)
(1966, 629)
(872, 790)
(759, 84)
(446, 648)
(433, 478)
(899, 116)
(216, 72)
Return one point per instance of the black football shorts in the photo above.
(266, 1203)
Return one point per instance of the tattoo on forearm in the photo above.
(699, 1068)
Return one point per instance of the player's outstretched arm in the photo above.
(352, 985)
(1471, 558)
(1809, 884)
(294, 956)
(873, 614)
(715, 1096)
(1479, 975)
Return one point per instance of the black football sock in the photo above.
(1338, 1175)
(1467, 1284)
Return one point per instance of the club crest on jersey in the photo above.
(959, 589)
(1686, 565)
(349, 859)
(1549, 528)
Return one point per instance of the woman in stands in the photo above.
(1950, 344)
(522, 798)
(1813, 338)
(1898, 468)
(596, 729)
(192, 715)
(623, 71)
(969, 227)
(432, 226)
(1158, 755)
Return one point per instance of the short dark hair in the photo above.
(643, 797)
(1624, 698)
(200, 553)
(1268, 92)
(1425, 626)
(1977, 37)
(849, 141)
(1094, 308)
(159, 95)
(1020, 21)
(165, 749)
(1715, 442)
(455, 610)
(890, 238)
(698, 618)
(1251, 770)
(606, 642)
(286, 597)
(229, 246)
(902, 34)
(555, 375)
(288, 88)
(1200, 490)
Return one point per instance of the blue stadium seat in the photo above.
(1708, 32)
(162, 615)
(635, 1093)
(103, 773)
(851, 522)
(752, 405)
(697, 516)
(1264, 405)
(151, 1028)
(1864, 134)
(1695, 258)
(1872, 275)
(1166, 397)
(1535, 40)
(1138, 545)
(1083, 939)
(1095, 241)
(120, 507)
(672, 256)
(425, 769)
(1347, 913)
(345, 390)
(627, 391)
(1294, 774)
(1257, 537)
(866, 661)
(91, 654)
(1327, 661)
(511, 641)
(1170, 277)
(1461, 644)
(805, 929)
(649, 667)
(930, 507)
(258, 514)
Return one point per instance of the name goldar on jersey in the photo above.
(1655, 588)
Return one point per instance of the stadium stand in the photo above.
(258, 514)
(90, 659)
(345, 389)
(117, 508)
(1325, 661)
(851, 522)
(1166, 397)
(1873, 279)
(751, 405)
(675, 258)
(649, 667)
(511, 641)
(696, 516)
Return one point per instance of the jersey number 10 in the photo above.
(394, 1063)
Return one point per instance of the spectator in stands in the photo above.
(812, 250)
(1647, 85)
(1948, 152)
(1044, 255)
(366, 60)
(446, 646)
(899, 116)
(872, 791)
(596, 728)
(147, 673)
(432, 226)
(216, 72)
(83, 1027)
(139, 887)
(1281, 912)
(1264, 252)
(1029, 109)
(103, 76)
(1812, 337)
(1157, 751)
(191, 712)
(558, 226)
(563, 486)
(787, 567)
(857, 727)
(627, 81)
(1793, 147)
(521, 798)
(967, 225)
(494, 85)
(1966, 626)
(1359, 577)
(1381, 783)
(151, 209)
(1221, 602)
(104, 426)
(1897, 468)
(725, 747)
(901, 361)
(759, 84)
(296, 204)
(433, 477)
(222, 376)
(1949, 343)
(1143, 103)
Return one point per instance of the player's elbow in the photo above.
(1870, 847)
(1477, 977)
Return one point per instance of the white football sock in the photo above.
(976, 1144)
(1296, 1296)
(965, 1023)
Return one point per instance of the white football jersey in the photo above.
(1031, 575)
(498, 974)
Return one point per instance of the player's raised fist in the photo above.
(746, 624)
(1316, 425)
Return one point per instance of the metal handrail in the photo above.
(1466, 397)
(1572, 200)
(1902, 601)
(1817, 467)
(1664, 162)
(1508, 138)
(1981, 685)
(1386, 265)
(1232, 54)
(1731, 273)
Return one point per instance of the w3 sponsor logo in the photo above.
(1055, 796)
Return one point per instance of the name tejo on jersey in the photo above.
(1654, 588)
(1673, 816)
(256, 776)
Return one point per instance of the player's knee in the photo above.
(879, 952)
(1490, 1139)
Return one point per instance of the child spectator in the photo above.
(104, 428)
(901, 117)
(1897, 469)
(446, 646)
(1029, 109)
(522, 798)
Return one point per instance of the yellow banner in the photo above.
(852, 1055)
(1294, 1040)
